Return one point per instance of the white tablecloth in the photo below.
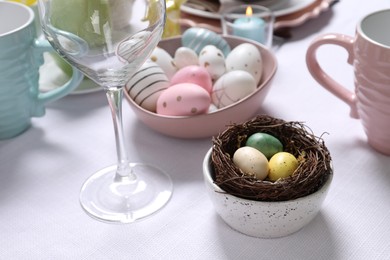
(42, 170)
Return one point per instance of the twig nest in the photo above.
(312, 172)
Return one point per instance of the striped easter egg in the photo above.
(147, 84)
(197, 38)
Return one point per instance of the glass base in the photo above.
(125, 199)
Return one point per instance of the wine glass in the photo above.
(108, 41)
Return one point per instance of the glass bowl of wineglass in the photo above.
(108, 41)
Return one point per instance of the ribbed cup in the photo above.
(369, 53)
(372, 79)
(19, 76)
(21, 55)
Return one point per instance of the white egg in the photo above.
(232, 87)
(185, 57)
(164, 60)
(147, 84)
(246, 57)
(251, 162)
(213, 60)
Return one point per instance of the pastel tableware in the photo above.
(263, 219)
(369, 54)
(208, 124)
(20, 59)
(249, 21)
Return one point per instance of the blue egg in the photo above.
(196, 38)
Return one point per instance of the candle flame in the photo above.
(249, 11)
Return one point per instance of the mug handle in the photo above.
(41, 46)
(322, 77)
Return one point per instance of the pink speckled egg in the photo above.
(185, 99)
(193, 74)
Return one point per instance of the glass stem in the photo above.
(114, 96)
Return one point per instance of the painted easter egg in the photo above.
(163, 59)
(251, 162)
(246, 57)
(196, 38)
(147, 84)
(193, 74)
(265, 143)
(282, 165)
(185, 99)
(213, 60)
(185, 57)
(232, 87)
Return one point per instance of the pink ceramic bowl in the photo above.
(210, 124)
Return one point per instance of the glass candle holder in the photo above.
(253, 22)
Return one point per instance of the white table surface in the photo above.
(42, 170)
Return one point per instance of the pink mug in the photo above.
(369, 54)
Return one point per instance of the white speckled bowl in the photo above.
(263, 219)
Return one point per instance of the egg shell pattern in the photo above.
(245, 57)
(265, 143)
(282, 165)
(232, 87)
(185, 99)
(193, 74)
(164, 60)
(185, 57)
(147, 84)
(196, 38)
(213, 60)
(251, 162)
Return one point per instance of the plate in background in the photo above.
(51, 76)
(279, 8)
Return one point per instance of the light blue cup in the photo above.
(21, 55)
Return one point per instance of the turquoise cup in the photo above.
(21, 55)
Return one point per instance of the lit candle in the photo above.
(250, 27)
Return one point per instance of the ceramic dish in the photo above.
(51, 76)
(206, 125)
(210, 20)
(210, 8)
(299, 17)
(260, 218)
(278, 7)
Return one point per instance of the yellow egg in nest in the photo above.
(282, 165)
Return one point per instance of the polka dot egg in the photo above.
(246, 57)
(185, 99)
